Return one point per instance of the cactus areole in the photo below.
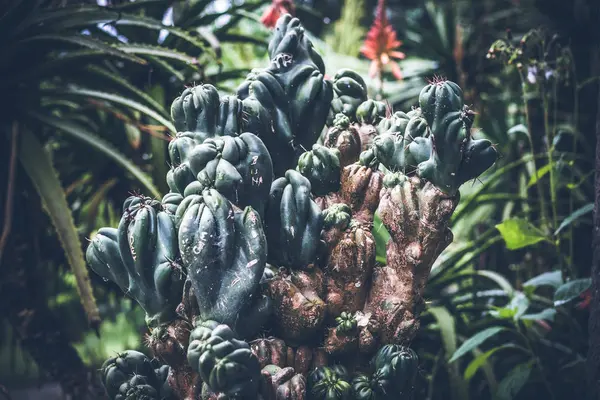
(257, 270)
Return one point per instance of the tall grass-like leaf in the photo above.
(476, 340)
(126, 85)
(448, 331)
(115, 98)
(85, 41)
(158, 51)
(482, 359)
(512, 383)
(98, 144)
(44, 177)
(580, 212)
(84, 17)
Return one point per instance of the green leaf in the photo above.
(553, 279)
(88, 42)
(382, 236)
(547, 314)
(475, 341)
(126, 85)
(447, 327)
(115, 98)
(98, 144)
(571, 290)
(519, 233)
(85, 17)
(580, 212)
(539, 174)
(514, 381)
(481, 359)
(157, 51)
(38, 166)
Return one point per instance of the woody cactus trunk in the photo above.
(257, 270)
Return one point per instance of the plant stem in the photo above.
(530, 132)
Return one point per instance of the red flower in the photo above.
(381, 45)
(587, 299)
(276, 10)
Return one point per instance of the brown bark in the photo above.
(416, 215)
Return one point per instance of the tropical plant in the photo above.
(88, 85)
(265, 230)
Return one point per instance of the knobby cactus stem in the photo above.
(266, 232)
(416, 214)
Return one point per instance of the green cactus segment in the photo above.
(345, 323)
(132, 375)
(287, 103)
(137, 388)
(231, 117)
(374, 387)
(224, 250)
(349, 92)
(171, 201)
(455, 156)
(337, 216)
(293, 222)
(225, 364)
(104, 258)
(371, 112)
(438, 99)
(402, 143)
(321, 166)
(326, 384)
(396, 123)
(141, 258)
(400, 365)
(239, 168)
(196, 110)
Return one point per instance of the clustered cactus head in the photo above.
(265, 231)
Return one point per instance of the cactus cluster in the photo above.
(257, 270)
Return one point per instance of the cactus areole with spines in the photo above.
(266, 231)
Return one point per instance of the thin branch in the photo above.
(10, 188)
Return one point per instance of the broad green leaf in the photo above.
(580, 212)
(571, 290)
(512, 383)
(481, 359)
(98, 144)
(115, 98)
(475, 341)
(520, 304)
(447, 327)
(519, 233)
(547, 314)
(502, 313)
(38, 166)
(517, 306)
(553, 279)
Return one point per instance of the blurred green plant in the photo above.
(88, 121)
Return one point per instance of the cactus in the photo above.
(266, 231)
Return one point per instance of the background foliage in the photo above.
(89, 87)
